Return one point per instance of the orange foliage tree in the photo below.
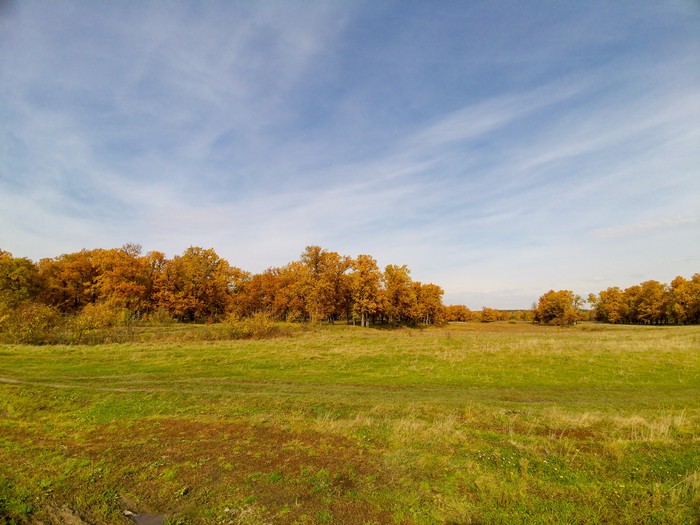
(558, 308)
(71, 280)
(401, 303)
(430, 308)
(329, 283)
(459, 313)
(198, 285)
(365, 285)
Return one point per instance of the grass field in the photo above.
(472, 423)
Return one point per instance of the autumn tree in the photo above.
(256, 294)
(401, 303)
(154, 264)
(652, 303)
(558, 308)
(684, 300)
(610, 305)
(280, 293)
(295, 286)
(71, 280)
(198, 285)
(123, 278)
(19, 280)
(100, 285)
(489, 315)
(459, 313)
(632, 296)
(429, 303)
(330, 286)
(365, 285)
(338, 283)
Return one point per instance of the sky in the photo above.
(499, 148)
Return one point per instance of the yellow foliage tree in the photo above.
(558, 308)
(366, 282)
(401, 301)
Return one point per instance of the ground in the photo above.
(471, 423)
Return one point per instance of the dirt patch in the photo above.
(185, 468)
(61, 516)
(202, 471)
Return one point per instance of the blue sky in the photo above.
(499, 149)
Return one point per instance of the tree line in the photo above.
(102, 287)
(201, 286)
(650, 303)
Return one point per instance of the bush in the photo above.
(258, 326)
(489, 315)
(161, 316)
(32, 323)
(102, 323)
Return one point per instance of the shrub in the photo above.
(258, 326)
(32, 323)
(489, 315)
(102, 323)
(161, 316)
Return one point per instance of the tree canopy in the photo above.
(558, 308)
(199, 286)
(650, 302)
(321, 285)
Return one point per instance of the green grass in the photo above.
(472, 423)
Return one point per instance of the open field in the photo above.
(472, 423)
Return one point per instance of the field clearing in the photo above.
(471, 423)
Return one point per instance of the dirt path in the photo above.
(12, 381)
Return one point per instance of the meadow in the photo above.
(467, 424)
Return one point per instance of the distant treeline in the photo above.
(650, 302)
(102, 288)
(200, 286)
(460, 313)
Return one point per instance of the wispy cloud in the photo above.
(640, 228)
(483, 158)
